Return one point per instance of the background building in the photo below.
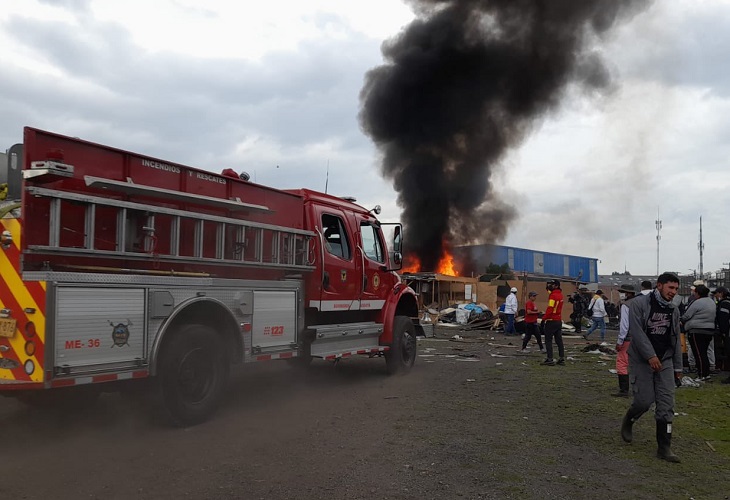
(476, 259)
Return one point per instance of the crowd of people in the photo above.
(655, 324)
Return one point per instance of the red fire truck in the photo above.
(117, 266)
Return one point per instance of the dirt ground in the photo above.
(474, 419)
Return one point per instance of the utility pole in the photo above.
(701, 246)
(658, 223)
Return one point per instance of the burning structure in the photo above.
(462, 84)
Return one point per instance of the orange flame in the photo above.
(412, 264)
(446, 265)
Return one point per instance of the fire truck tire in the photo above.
(192, 374)
(402, 354)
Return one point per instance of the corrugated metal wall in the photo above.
(533, 261)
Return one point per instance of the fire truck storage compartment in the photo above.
(274, 319)
(99, 326)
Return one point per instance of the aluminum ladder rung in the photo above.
(287, 248)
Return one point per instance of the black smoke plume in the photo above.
(462, 84)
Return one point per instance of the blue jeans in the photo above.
(509, 328)
(598, 322)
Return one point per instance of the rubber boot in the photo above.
(627, 424)
(623, 387)
(664, 442)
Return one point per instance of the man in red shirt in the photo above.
(552, 321)
(531, 314)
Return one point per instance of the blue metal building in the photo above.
(537, 262)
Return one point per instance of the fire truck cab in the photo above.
(118, 267)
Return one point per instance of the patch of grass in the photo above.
(563, 421)
(707, 410)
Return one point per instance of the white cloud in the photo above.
(253, 85)
(245, 29)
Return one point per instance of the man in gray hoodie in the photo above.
(655, 361)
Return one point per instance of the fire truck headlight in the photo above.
(30, 348)
(29, 367)
(6, 239)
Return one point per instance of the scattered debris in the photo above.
(510, 345)
(709, 445)
(473, 315)
(690, 382)
(613, 370)
(598, 348)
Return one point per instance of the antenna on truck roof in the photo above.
(327, 178)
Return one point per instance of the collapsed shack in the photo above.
(441, 297)
(439, 291)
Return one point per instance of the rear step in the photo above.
(341, 340)
(371, 351)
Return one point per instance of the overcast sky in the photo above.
(272, 88)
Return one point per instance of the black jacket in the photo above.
(722, 317)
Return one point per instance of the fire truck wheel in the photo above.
(402, 354)
(192, 375)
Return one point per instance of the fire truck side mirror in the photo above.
(393, 234)
(397, 258)
(397, 244)
(397, 239)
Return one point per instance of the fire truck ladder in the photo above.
(237, 242)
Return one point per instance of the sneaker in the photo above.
(585, 337)
(561, 362)
(548, 362)
(524, 351)
(542, 349)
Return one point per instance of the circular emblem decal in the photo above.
(376, 281)
(120, 334)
